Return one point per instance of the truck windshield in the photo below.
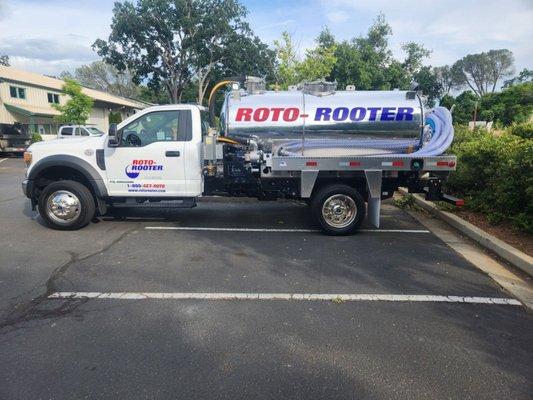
(94, 131)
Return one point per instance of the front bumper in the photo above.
(14, 149)
(27, 188)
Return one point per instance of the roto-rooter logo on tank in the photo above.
(137, 166)
(338, 114)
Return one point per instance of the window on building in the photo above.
(53, 98)
(17, 92)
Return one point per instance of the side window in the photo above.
(84, 132)
(77, 131)
(66, 131)
(158, 126)
(17, 92)
(204, 117)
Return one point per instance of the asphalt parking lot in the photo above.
(227, 301)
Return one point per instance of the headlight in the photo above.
(27, 157)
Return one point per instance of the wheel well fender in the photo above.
(356, 182)
(63, 166)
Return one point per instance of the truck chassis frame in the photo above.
(373, 168)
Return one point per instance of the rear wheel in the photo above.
(338, 209)
(66, 205)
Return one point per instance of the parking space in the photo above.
(241, 299)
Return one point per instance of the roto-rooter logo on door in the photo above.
(134, 169)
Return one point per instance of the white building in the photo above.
(27, 98)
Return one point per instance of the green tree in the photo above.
(447, 101)
(367, 63)
(464, 106)
(171, 43)
(376, 56)
(102, 76)
(317, 64)
(481, 72)
(526, 75)
(154, 96)
(350, 67)
(77, 108)
(242, 55)
(429, 84)
(415, 55)
(4, 60)
(445, 77)
(512, 105)
(115, 118)
(287, 61)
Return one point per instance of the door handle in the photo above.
(172, 153)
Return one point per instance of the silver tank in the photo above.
(326, 122)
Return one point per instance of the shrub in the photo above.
(495, 175)
(35, 137)
(405, 202)
(523, 130)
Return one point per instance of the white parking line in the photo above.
(201, 228)
(284, 296)
(2, 160)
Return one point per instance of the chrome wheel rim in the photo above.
(63, 207)
(339, 211)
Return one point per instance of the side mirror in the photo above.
(114, 137)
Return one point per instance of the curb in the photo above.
(510, 254)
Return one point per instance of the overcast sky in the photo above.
(49, 36)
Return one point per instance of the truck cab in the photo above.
(154, 154)
(71, 131)
(159, 153)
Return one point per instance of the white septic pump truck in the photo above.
(342, 152)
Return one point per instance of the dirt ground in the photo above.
(503, 231)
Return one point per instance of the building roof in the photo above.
(32, 111)
(31, 78)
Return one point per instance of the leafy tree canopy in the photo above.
(526, 75)
(171, 43)
(512, 105)
(4, 60)
(481, 72)
(78, 107)
(317, 64)
(102, 76)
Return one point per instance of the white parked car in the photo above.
(69, 131)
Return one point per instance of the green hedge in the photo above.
(36, 138)
(495, 174)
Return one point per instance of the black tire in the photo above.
(353, 219)
(85, 211)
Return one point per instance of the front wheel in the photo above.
(66, 205)
(338, 209)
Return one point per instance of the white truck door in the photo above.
(151, 159)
